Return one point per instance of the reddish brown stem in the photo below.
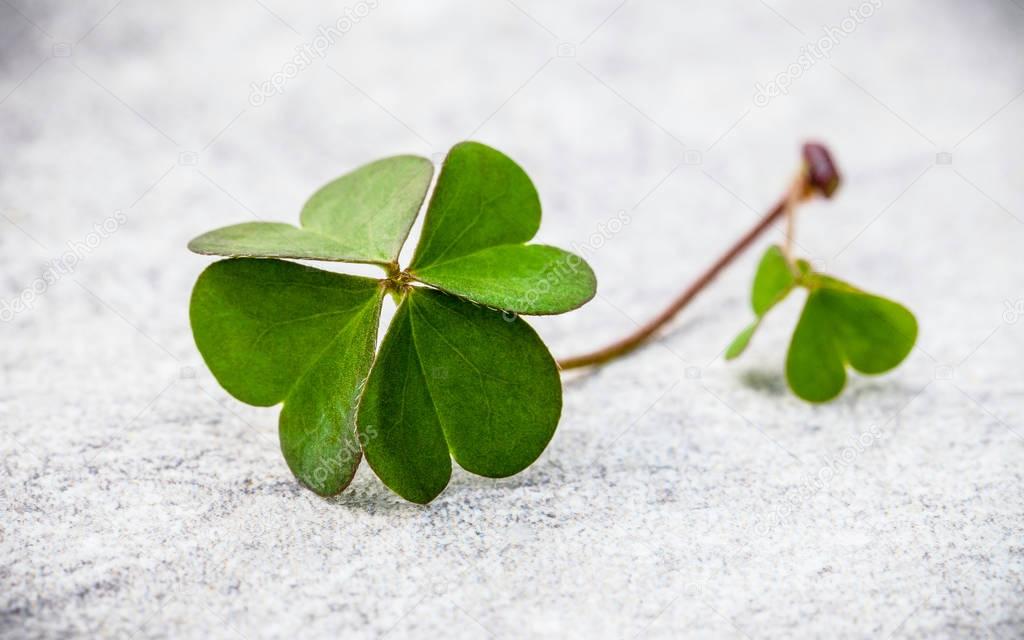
(817, 175)
(637, 338)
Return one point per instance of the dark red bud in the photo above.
(821, 171)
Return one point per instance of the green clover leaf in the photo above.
(273, 331)
(457, 375)
(773, 281)
(480, 386)
(483, 209)
(840, 326)
(363, 216)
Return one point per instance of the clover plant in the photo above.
(840, 325)
(459, 374)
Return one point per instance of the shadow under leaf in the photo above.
(765, 381)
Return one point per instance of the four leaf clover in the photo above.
(458, 373)
(840, 325)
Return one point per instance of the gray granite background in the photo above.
(682, 496)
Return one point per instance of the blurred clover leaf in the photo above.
(458, 373)
(840, 326)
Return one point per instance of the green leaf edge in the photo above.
(195, 245)
(742, 340)
(406, 302)
(812, 280)
(740, 343)
(374, 307)
(421, 257)
(822, 281)
(588, 275)
(309, 205)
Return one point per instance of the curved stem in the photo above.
(818, 175)
(634, 340)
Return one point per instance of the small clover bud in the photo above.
(822, 174)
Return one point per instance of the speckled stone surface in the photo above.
(682, 496)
